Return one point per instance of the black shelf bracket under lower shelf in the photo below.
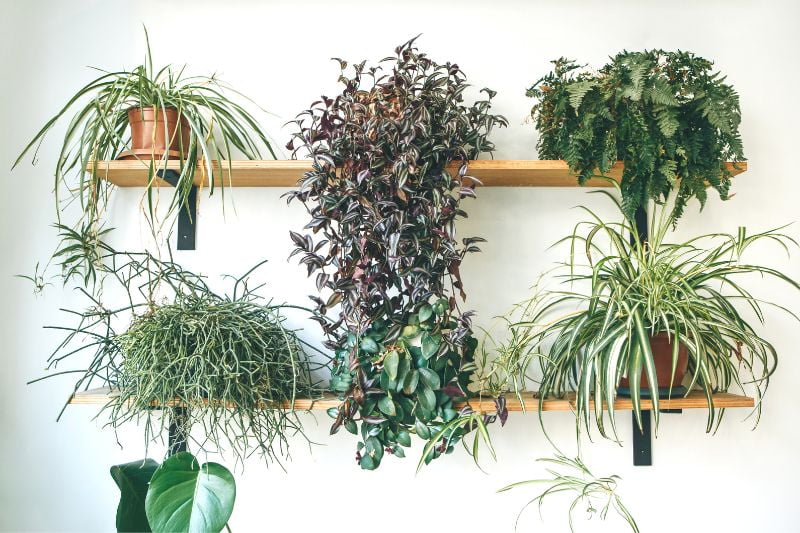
(187, 216)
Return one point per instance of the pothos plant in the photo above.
(668, 116)
(390, 169)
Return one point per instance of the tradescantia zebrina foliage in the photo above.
(671, 119)
(390, 168)
(696, 291)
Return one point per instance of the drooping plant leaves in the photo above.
(384, 195)
(185, 496)
(133, 479)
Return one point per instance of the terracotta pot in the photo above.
(150, 137)
(661, 345)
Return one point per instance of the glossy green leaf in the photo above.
(430, 378)
(391, 363)
(425, 312)
(430, 345)
(185, 496)
(133, 480)
(386, 406)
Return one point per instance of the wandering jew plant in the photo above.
(671, 119)
(229, 362)
(390, 169)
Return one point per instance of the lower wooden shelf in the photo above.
(694, 400)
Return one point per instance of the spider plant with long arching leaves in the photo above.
(585, 486)
(637, 289)
(98, 131)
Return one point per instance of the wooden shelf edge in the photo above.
(694, 400)
(286, 173)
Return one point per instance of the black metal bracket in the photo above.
(187, 216)
(178, 428)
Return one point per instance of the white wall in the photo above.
(55, 476)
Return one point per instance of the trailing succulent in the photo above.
(390, 168)
(671, 120)
(173, 341)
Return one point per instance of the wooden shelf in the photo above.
(695, 400)
(493, 173)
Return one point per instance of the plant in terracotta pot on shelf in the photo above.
(668, 116)
(637, 317)
(390, 170)
(149, 114)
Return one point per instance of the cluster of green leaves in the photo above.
(671, 119)
(178, 496)
(572, 476)
(222, 358)
(692, 290)
(98, 131)
(385, 199)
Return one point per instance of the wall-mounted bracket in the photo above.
(187, 216)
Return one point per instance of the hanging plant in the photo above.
(671, 119)
(228, 364)
(197, 120)
(390, 169)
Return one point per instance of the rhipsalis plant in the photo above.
(390, 168)
(671, 119)
(228, 360)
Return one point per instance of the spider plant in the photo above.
(97, 131)
(573, 476)
(694, 291)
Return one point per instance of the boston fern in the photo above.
(671, 119)
(389, 172)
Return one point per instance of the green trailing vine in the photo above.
(390, 170)
(672, 120)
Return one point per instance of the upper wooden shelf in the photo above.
(493, 173)
(695, 400)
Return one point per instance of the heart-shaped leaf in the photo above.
(132, 480)
(185, 497)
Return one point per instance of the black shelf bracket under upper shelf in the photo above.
(643, 438)
(187, 216)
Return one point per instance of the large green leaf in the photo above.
(187, 497)
(132, 480)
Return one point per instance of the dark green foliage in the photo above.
(133, 480)
(385, 202)
(222, 357)
(671, 120)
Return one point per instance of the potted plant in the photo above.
(153, 115)
(671, 120)
(649, 311)
(384, 197)
(227, 363)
